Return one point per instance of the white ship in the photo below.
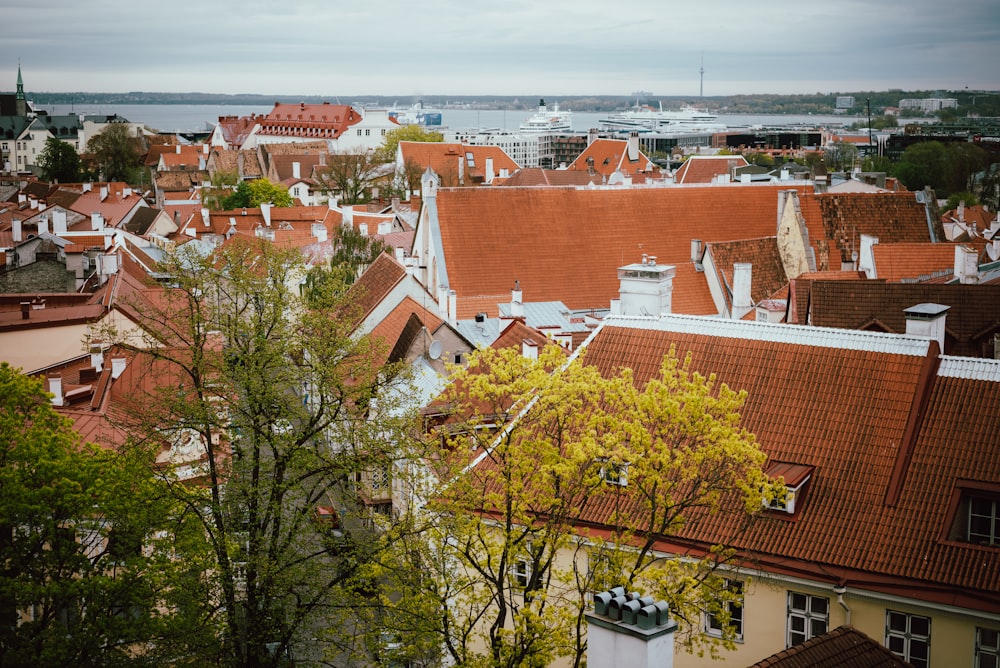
(647, 119)
(416, 115)
(548, 120)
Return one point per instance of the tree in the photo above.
(59, 161)
(558, 447)
(280, 400)
(116, 153)
(351, 176)
(85, 576)
(254, 193)
(840, 156)
(387, 151)
(223, 184)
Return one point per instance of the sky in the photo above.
(507, 47)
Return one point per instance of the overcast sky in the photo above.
(505, 47)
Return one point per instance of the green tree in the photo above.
(254, 193)
(116, 154)
(840, 156)
(86, 578)
(223, 184)
(387, 151)
(59, 162)
(280, 400)
(351, 176)
(553, 441)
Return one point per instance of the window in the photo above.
(908, 637)
(795, 477)
(521, 571)
(715, 625)
(987, 648)
(983, 521)
(613, 473)
(808, 617)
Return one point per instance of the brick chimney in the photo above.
(629, 630)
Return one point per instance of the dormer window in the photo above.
(795, 478)
(614, 473)
(975, 514)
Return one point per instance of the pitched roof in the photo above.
(536, 176)
(399, 329)
(375, 283)
(914, 261)
(566, 244)
(310, 121)
(970, 323)
(449, 160)
(889, 427)
(843, 647)
(610, 156)
(707, 168)
(768, 272)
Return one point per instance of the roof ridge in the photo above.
(830, 337)
(974, 368)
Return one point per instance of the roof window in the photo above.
(795, 477)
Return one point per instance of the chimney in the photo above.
(961, 211)
(347, 213)
(516, 301)
(866, 258)
(696, 251)
(461, 170)
(742, 302)
(591, 136)
(629, 630)
(646, 288)
(59, 221)
(55, 388)
(927, 320)
(104, 192)
(33, 203)
(126, 192)
(43, 225)
(96, 222)
(25, 310)
(966, 265)
(489, 170)
(177, 149)
(529, 349)
(265, 210)
(15, 230)
(319, 231)
(633, 146)
(452, 306)
(97, 356)
(296, 170)
(443, 299)
(117, 366)
(205, 217)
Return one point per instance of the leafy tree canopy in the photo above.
(59, 161)
(254, 193)
(387, 152)
(116, 153)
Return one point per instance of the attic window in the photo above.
(795, 478)
(469, 158)
(975, 514)
(614, 473)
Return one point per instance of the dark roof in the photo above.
(843, 647)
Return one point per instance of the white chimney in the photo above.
(866, 258)
(348, 215)
(56, 389)
(104, 193)
(43, 225)
(265, 210)
(59, 221)
(961, 211)
(88, 186)
(646, 288)
(966, 265)
(742, 301)
(461, 170)
(443, 299)
(296, 170)
(452, 306)
(96, 356)
(177, 149)
(927, 320)
(96, 220)
(489, 170)
(33, 203)
(629, 630)
(696, 251)
(319, 231)
(15, 230)
(529, 349)
(517, 301)
(205, 217)
(126, 192)
(633, 146)
(118, 366)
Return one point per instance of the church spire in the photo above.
(20, 101)
(20, 83)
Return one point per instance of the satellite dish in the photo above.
(434, 352)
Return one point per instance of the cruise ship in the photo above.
(647, 119)
(416, 115)
(548, 120)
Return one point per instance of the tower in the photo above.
(21, 103)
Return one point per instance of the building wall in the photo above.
(31, 349)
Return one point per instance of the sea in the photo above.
(198, 118)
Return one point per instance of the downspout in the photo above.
(840, 590)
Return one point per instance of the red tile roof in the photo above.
(450, 160)
(392, 327)
(566, 244)
(375, 283)
(609, 156)
(536, 176)
(898, 262)
(768, 271)
(889, 428)
(312, 121)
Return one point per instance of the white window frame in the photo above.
(991, 516)
(614, 474)
(987, 647)
(520, 570)
(907, 639)
(713, 628)
(808, 615)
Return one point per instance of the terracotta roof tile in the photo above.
(609, 156)
(913, 261)
(392, 327)
(843, 647)
(707, 168)
(768, 272)
(370, 289)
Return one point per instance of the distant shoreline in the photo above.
(731, 104)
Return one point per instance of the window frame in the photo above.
(983, 650)
(807, 615)
(711, 626)
(908, 637)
